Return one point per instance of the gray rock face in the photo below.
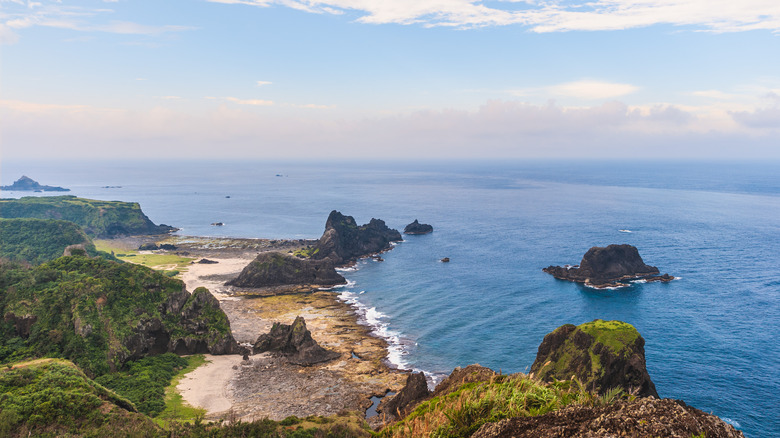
(344, 241)
(606, 266)
(295, 343)
(415, 390)
(278, 269)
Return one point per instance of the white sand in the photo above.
(197, 273)
(207, 386)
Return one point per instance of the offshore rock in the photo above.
(27, 184)
(278, 269)
(295, 343)
(418, 228)
(344, 241)
(415, 391)
(600, 354)
(605, 267)
(642, 417)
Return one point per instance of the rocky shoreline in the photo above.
(266, 385)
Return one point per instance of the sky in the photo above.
(400, 79)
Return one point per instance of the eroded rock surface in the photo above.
(415, 391)
(295, 343)
(643, 417)
(344, 241)
(600, 354)
(603, 267)
(278, 269)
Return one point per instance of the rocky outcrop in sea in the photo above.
(27, 184)
(603, 267)
(600, 354)
(344, 241)
(418, 228)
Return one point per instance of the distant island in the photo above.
(27, 184)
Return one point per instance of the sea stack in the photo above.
(344, 241)
(603, 267)
(418, 228)
(600, 354)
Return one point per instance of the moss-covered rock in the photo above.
(278, 269)
(601, 354)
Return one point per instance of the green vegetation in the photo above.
(88, 309)
(144, 381)
(616, 335)
(462, 412)
(176, 409)
(37, 241)
(48, 398)
(306, 252)
(172, 264)
(97, 218)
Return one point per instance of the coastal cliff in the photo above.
(603, 267)
(99, 219)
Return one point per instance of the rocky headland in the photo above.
(602, 355)
(27, 184)
(418, 228)
(607, 267)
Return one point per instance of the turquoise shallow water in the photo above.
(711, 337)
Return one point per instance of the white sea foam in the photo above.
(641, 280)
(625, 231)
(377, 321)
(731, 422)
(604, 288)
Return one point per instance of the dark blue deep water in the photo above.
(712, 337)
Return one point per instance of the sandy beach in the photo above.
(266, 386)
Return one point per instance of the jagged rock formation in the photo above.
(344, 241)
(600, 354)
(418, 228)
(643, 417)
(606, 267)
(191, 333)
(277, 269)
(415, 391)
(27, 184)
(295, 343)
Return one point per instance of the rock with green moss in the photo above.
(600, 354)
(98, 218)
(295, 343)
(278, 269)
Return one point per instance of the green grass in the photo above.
(176, 409)
(160, 262)
(616, 335)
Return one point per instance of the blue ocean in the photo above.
(712, 336)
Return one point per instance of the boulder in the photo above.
(278, 269)
(149, 246)
(460, 376)
(600, 354)
(295, 343)
(603, 267)
(344, 241)
(418, 228)
(415, 391)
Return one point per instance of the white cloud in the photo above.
(552, 15)
(592, 90)
(7, 36)
(261, 83)
(254, 102)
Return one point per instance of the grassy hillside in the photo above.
(97, 218)
(51, 398)
(98, 313)
(39, 240)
